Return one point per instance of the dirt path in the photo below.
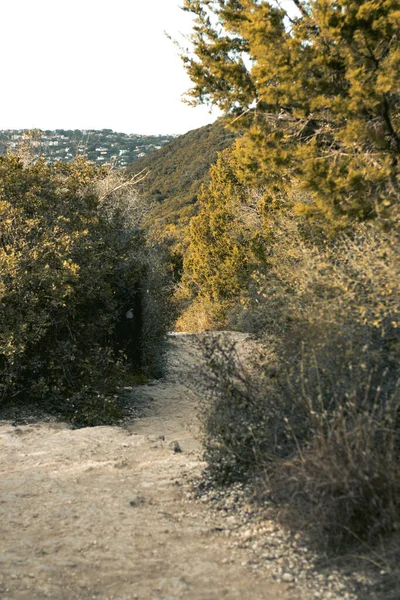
(103, 512)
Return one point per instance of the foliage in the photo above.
(314, 92)
(176, 174)
(240, 410)
(315, 89)
(319, 416)
(224, 242)
(71, 260)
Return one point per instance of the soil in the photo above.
(103, 512)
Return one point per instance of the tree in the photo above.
(222, 241)
(315, 91)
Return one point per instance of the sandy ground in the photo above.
(102, 512)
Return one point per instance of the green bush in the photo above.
(72, 258)
(225, 244)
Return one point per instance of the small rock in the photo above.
(287, 577)
(247, 535)
(138, 501)
(121, 464)
(175, 446)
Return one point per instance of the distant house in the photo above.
(63, 145)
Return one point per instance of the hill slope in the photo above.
(177, 172)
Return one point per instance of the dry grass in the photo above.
(320, 417)
(199, 316)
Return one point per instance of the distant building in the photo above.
(98, 146)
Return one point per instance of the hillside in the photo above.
(100, 146)
(176, 173)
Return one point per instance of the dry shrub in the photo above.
(343, 480)
(198, 317)
(245, 426)
(341, 357)
(321, 421)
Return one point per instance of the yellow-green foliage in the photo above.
(354, 277)
(223, 240)
(70, 255)
(175, 176)
(315, 92)
(316, 95)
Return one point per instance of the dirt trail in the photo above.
(103, 513)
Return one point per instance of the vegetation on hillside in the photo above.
(297, 241)
(176, 174)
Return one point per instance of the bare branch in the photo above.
(131, 182)
(300, 7)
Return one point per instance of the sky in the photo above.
(95, 64)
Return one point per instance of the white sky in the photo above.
(94, 64)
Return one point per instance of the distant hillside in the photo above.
(100, 146)
(177, 172)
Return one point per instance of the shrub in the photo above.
(72, 257)
(201, 315)
(240, 409)
(225, 243)
(345, 482)
(320, 418)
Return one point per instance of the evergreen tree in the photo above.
(315, 91)
(222, 241)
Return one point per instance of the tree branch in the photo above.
(300, 7)
(131, 182)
